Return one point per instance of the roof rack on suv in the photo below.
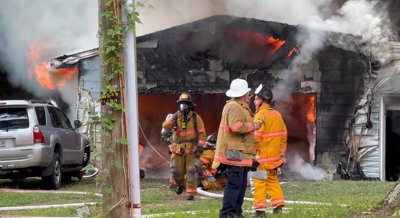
(33, 101)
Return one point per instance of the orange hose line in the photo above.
(121, 79)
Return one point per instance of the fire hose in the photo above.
(151, 144)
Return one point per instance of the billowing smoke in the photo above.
(50, 28)
(305, 169)
(72, 25)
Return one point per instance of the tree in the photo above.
(392, 199)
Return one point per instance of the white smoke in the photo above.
(306, 170)
(59, 27)
(73, 24)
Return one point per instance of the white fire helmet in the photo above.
(238, 88)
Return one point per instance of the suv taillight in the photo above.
(37, 135)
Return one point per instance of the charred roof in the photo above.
(244, 42)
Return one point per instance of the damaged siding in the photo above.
(342, 85)
(89, 73)
(368, 122)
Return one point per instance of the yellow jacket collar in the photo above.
(243, 103)
(263, 106)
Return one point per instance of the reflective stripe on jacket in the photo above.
(270, 140)
(182, 137)
(235, 142)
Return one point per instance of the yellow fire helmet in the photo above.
(185, 97)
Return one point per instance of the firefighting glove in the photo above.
(254, 165)
(199, 150)
(221, 170)
(175, 115)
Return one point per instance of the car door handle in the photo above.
(57, 132)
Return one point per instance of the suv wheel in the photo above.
(54, 180)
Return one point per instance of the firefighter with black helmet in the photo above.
(188, 143)
(209, 180)
(270, 147)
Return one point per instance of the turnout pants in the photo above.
(234, 192)
(262, 181)
(181, 165)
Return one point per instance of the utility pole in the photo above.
(116, 188)
(131, 97)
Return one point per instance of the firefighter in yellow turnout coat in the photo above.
(209, 179)
(270, 147)
(188, 143)
(235, 145)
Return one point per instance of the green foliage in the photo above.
(113, 48)
(123, 141)
(118, 164)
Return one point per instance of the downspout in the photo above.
(382, 139)
(132, 117)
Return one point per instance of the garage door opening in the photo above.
(392, 145)
(297, 112)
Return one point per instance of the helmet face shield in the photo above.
(258, 89)
(184, 106)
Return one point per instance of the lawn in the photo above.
(156, 198)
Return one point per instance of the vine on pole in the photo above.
(112, 117)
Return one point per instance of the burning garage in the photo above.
(325, 86)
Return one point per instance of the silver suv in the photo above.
(38, 140)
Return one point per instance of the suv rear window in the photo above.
(14, 118)
(41, 115)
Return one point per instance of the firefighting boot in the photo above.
(199, 183)
(259, 214)
(189, 197)
(179, 190)
(278, 209)
(236, 215)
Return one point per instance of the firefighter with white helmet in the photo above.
(270, 142)
(235, 145)
(188, 143)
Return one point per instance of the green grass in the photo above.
(85, 185)
(157, 198)
(9, 199)
(59, 211)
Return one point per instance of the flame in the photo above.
(261, 45)
(45, 75)
(150, 160)
(33, 56)
(290, 53)
(141, 160)
(258, 39)
(140, 149)
(310, 113)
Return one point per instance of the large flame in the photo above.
(310, 112)
(45, 75)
